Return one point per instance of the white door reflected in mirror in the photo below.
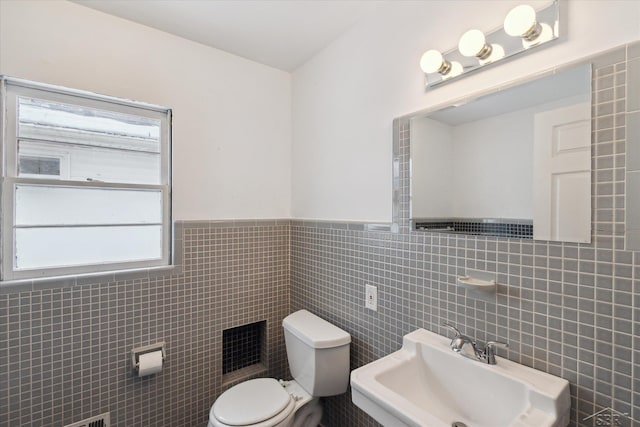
(562, 174)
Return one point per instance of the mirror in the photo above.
(513, 163)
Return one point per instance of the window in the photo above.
(85, 182)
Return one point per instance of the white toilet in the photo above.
(318, 354)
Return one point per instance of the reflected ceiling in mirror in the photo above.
(513, 163)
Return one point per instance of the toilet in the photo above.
(318, 355)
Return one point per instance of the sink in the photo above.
(426, 384)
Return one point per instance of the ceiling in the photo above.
(283, 34)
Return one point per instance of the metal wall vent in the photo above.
(102, 420)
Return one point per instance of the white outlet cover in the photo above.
(371, 297)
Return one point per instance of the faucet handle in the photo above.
(453, 328)
(490, 351)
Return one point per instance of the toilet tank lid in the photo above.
(315, 331)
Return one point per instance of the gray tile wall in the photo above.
(64, 351)
(572, 310)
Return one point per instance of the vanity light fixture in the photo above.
(524, 28)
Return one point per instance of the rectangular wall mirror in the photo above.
(512, 163)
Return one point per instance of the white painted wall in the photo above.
(493, 174)
(480, 169)
(432, 169)
(231, 116)
(344, 99)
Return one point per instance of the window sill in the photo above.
(26, 285)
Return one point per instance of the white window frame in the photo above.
(10, 90)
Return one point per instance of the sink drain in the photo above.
(458, 424)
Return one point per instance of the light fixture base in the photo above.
(485, 52)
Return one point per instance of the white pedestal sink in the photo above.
(426, 384)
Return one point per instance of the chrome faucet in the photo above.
(487, 355)
(459, 341)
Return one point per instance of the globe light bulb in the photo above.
(432, 61)
(521, 22)
(473, 43)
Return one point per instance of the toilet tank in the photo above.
(318, 353)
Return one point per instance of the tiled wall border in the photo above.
(569, 309)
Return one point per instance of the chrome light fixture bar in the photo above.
(524, 29)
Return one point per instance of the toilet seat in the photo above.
(259, 402)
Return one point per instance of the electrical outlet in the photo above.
(371, 297)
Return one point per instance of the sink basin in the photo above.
(426, 384)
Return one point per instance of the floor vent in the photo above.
(102, 420)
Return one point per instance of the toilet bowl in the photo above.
(318, 355)
(266, 402)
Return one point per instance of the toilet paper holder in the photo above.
(136, 352)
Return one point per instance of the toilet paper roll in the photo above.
(149, 363)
